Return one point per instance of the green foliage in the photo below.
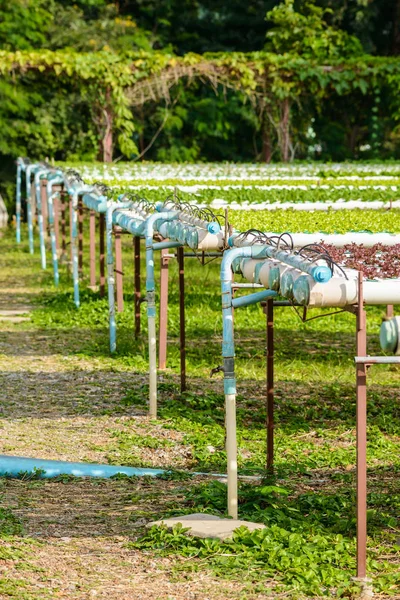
(331, 221)
(24, 24)
(310, 563)
(307, 33)
(9, 523)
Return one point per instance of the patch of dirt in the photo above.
(83, 529)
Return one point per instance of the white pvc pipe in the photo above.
(152, 367)
(210, 241)
(248, 267)
(340, 292)
(343, 239)
(311, 206)
(287, 281)
(263, 274)
(231, 453)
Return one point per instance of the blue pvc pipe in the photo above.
(74, 239)
(14, 466)
(42, 246)
(28, 173)
(53, 241)
(18, 203)
(252, 298)
(149, 234)
(162, 245)
(228, 347)
(134, 225)
(111, 207)
(96, 203)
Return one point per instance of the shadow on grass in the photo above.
(324, 503)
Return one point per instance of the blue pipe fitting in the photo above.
(193, 239)
(274, 278)
(321, 274)
(229, 385)
(257, 270)
(213, 227)
(287, 283)
(236, 264)
(389, 335)
(301, 290)
(231, 241)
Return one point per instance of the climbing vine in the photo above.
(114, 83)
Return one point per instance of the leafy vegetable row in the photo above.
(338, 221)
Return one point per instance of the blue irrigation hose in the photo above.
(15, 466)
(18, 466)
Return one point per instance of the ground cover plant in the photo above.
(98, 411)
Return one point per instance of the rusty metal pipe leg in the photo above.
(361, 418)
(102, 255)
(270, 385)
(80, 236)
(44, 209)
(162, 350)
(118, 271)
(92, 248)
(56, 208)
(136, 249)
(181, 266)
(63, 209)
(71, 227)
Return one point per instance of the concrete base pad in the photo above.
(208, 526)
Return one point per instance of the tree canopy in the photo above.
(195, 80)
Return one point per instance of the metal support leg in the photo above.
(102, 255)
(44, 209)
(181, 265)
(361, 383)
(389, 311)
(30, 195)
(80, 235)
(52, 196)
(118, 271)
(71, 227)
(40, 220)
(63, 208)
(75, 246)
(162, 350)
(56, 225)
(136, 247)
(18, 203)
(92, 248)
(270, 385)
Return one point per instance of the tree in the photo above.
(308, 34)
(304, 34)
